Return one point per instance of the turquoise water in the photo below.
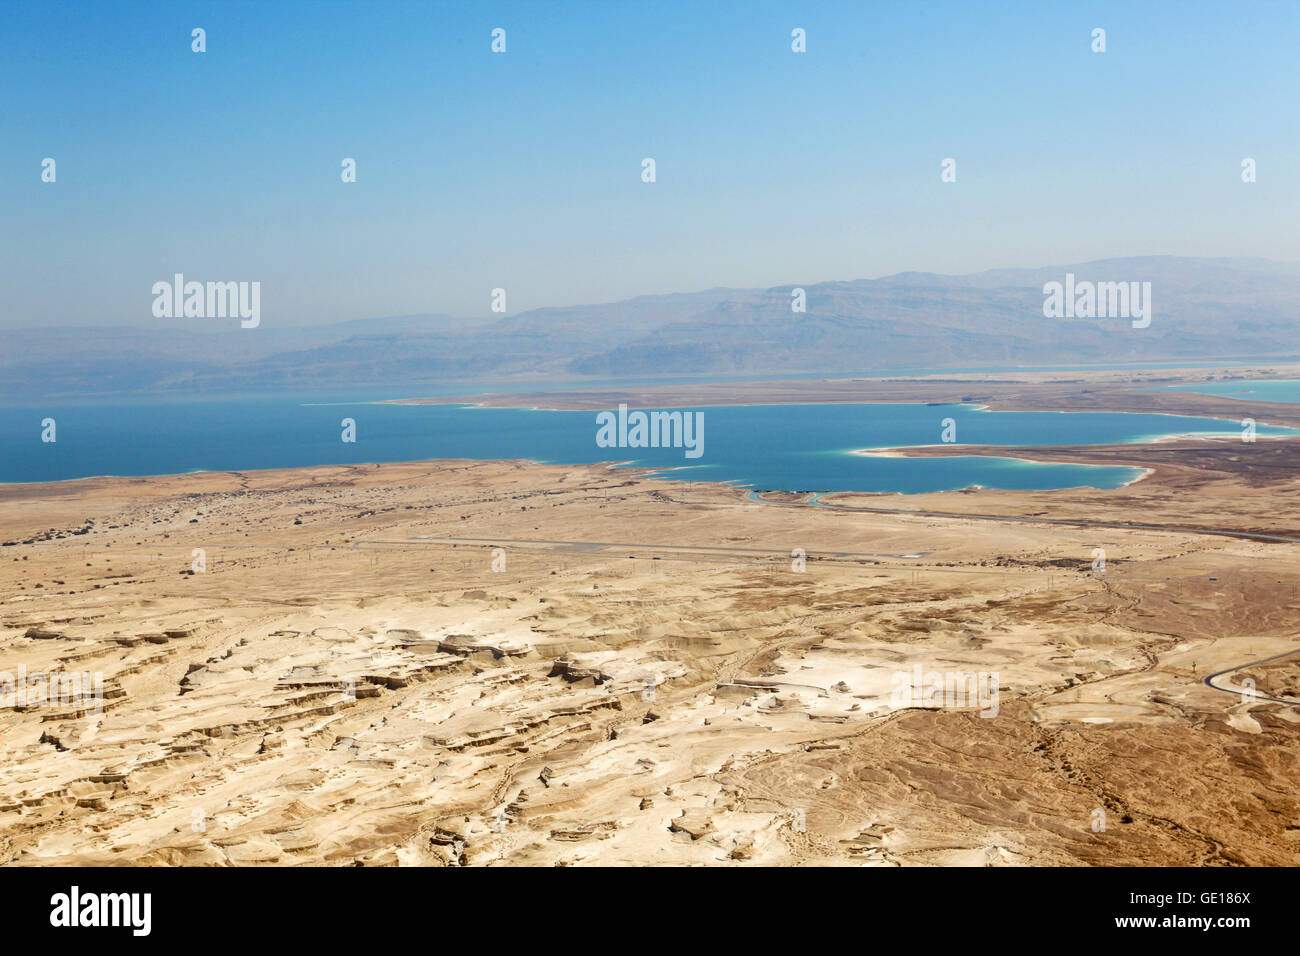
(791, 447)
(1280, 391)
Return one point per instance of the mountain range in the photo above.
(1204, 310)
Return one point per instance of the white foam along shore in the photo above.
(902, 453)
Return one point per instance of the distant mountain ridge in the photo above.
(1204, 310)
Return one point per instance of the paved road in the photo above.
(644, 546)
(1209, 681)
(1073, 522)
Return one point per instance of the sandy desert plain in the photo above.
(647, 680)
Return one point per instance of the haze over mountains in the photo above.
(1203, 310)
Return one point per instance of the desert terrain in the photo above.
(478, 663)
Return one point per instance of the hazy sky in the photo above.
(522, 170)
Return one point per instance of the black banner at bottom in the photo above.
(336, 906)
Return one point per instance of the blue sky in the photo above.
(478, 170)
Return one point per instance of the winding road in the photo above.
(815, 502)
(1209, 681)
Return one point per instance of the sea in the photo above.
(810, 447)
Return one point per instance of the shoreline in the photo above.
(901, 452)
(1127, 392)
(1091, 455)
(632, 467)
(1111, 392)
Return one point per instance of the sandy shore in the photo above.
(1109, 390)
(465, 663)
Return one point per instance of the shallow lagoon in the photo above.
(1287, 390)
